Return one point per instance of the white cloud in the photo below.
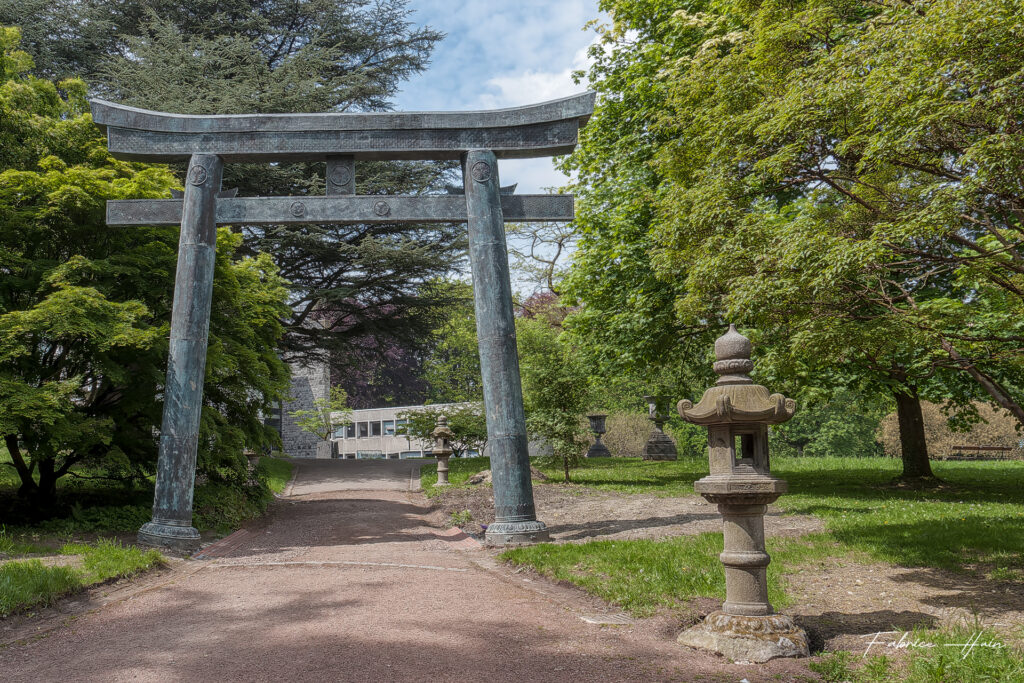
(502, 55)
(535, 86)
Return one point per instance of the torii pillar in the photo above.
(515, 517)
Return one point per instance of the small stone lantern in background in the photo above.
(598, 450)
(659, 445)
(442, 448)
(737, 413)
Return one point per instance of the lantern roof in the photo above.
(735, 398)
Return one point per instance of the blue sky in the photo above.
(502, 54)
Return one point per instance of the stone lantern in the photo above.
(737, 413)
(598, 450)
(442, 448)
(659, 445)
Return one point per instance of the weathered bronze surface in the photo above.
(339, 208)
(538, 130)
(186, 363)
(477, 138)
(515, 519)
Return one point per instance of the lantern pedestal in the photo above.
(737, 413)
(442, 470)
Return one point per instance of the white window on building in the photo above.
(363, 429)
(350, 431)
(389, 427)
(375, 428)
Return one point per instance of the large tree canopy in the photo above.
(843, 176)
(360, 286)
(85, 308)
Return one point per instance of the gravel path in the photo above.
(353, 577)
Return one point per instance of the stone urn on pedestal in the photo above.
(659, 445)
(598, 449)
(442, 450)
(737, 413)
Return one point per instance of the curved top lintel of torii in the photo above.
(543, 129)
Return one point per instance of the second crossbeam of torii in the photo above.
(477, 139)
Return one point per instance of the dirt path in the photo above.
(352, 577)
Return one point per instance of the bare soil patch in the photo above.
(577, 514)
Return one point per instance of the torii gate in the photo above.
(478, 139)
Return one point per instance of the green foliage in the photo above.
(843, 177)
(363, 285)
(459, 518)
(556, 391)
(85, 308)
(275, 472)
(326, 416)
(452, 366)
(836, 427)
(224, 507)
(466, 420)
(27, 583)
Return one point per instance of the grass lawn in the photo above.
(459, 470)
(30, 583)
(938, 657)
(644, 575)
(973, 522)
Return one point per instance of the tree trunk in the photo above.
(912, 442)
(565, 463)
(28, 485)
(46, 492)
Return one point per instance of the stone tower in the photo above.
(309, 382)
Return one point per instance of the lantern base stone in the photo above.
(516, 533)
(748, 639)
(599, 450)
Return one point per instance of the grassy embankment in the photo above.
(87, 505)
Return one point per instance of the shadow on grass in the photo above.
(608, 527)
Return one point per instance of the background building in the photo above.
(374, 433)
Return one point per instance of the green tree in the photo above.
(451, 366)
(844, 177)
(835, 426)
(85, 309)
(353, 286)
(556, 391)
(466, 420)
(326, 416)
(625, 325)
